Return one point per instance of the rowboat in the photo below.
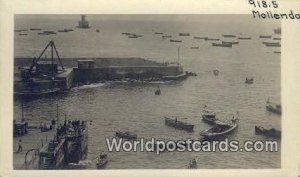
(221, 128)
(209, 116)
(157, 92)
(126, 135)
(211, 39)
(273, 133)
(173, 122)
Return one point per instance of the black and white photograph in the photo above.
(146, 92)
(150, 88)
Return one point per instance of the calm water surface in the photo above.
(134, 107)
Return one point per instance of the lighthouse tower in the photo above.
(83, 23)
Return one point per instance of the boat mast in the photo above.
(22, 111)
(178, 55)
(57, 113)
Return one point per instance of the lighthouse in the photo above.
(83, 23)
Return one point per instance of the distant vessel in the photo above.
(167, 36)
(272, 107)
(233, 42)
(228, 35)
(158, 33)
(173, 40)
(211, 39)
(35, 29)
(277, 31)
(184, 34)
(157, 92)
(249, 80)
(97, 30)
(194, 47)
(265, 36)
(277, 38)
(277, 52)
(222, 44)
(23, 34)
(272, 44)
(83, 23)
(244, 38)
(197, 37)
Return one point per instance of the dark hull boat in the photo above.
(244, 38)
(222, 45)
(126, 135)
(273, 133)
(173, 40)
(172, 122)
(220, 129)
(275, 108)
(265, 36)
(36, 93)
(228, 35)
(249, 80)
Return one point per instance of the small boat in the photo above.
(173, 122)
(132, 36)
(173, 40)
(277, 38)
(49, 32)
(126, 135)
(211, 39)
(167, 36)
(184, 34)
(193, 164)
(35, 29)
(216, 72)
(209, 116)
(102, 161)
(43, 34)
(222, 44)
(273, 44)
(125, 33)
(277, 52)
(194, 47)
(244, 38)
(234, 42)
(158, 33)
(23, 34)
(157, 92)
(97, 30)
(277, 31)
(20, 30)
(228, 35)
(265, 36)
(196, 37)
(190, 73)
(273, 133)
(249, 80)
(221, 128)
(272, 107)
